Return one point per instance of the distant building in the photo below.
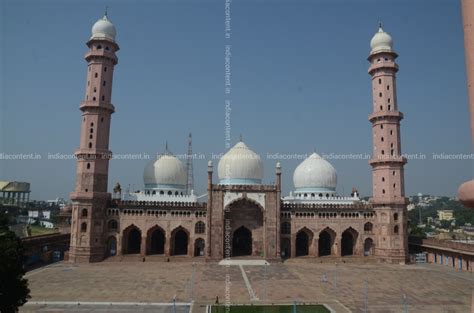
(445, 215)
(14, 193)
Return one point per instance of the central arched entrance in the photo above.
(242, 242)
(179, 240)
(324, 243)
(157, 241)
(133, 240)
(348, 241)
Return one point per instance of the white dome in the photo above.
(240, 166)
(103, 29)
(315, 175)
(381, 42)
(166, 172)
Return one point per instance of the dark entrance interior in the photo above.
(324, 243)
(180, 246)
(302, 244)
(157, 244)
(285, 248)
(199, 247)
(368, 245)
(111, 246)
(242, 242)
(134, 241)
(347, 243)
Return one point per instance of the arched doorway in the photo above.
(303, 241)
(133, 240)
(179, 239)
(111, 246)
(325, 243)
(199, 247)
(348, 240)
(285, 248)
(242, 242)
(156, 237)
(368, 246)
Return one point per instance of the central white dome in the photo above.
(166, 172)
(315, 175)
(104, 29)
(240, 166)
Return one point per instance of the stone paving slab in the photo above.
(429, 288)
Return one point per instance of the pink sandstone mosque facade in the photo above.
(242, 217)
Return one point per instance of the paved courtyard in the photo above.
(107, 286)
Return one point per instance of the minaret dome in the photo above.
(104, 29)
(381, 42)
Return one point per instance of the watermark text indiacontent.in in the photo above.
(20, 156)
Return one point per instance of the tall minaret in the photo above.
(387, 163)
(90, 198)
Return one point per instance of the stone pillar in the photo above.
(293, 245)
(119, 245)
(143, 246)
(336, 249)
(168, 251)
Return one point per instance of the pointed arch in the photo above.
(179, 241)
(111, 246)
(304, 238)
(348, 241)
(369, 246)
(156, 238)
(326, 240)
(132, 240)
(199, 246)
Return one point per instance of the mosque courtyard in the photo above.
(151, 286)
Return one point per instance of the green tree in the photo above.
(14, 290)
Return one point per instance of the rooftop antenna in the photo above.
(189, 166)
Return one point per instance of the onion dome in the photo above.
(315, 175)
(381, 42)
(104, 29)
(240, 166)
(166, 173)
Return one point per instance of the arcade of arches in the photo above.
(326, 243)
(178, 242)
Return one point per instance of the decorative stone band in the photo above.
(165, 187)
(240, 181)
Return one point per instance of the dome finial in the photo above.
(105, 12)
(380, 26)
(240, 138)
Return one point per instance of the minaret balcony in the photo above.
(100, 54)
(93, 154)
(388, 160)
(85, 105)
(383, 65)
(382, 201)
(388, 115)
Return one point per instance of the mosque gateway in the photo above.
(239, 216)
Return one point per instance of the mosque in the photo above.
(241, 217)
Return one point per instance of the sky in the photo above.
(299, 84)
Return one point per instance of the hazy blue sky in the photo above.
(299, 83)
